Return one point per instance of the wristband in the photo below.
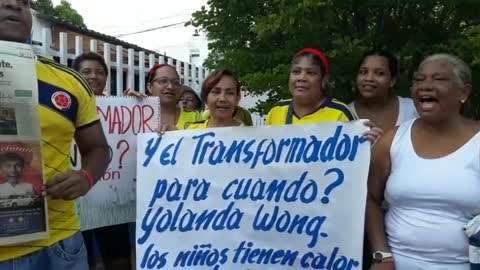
(88, 176)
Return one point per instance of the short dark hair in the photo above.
(11, 156)
(393, 64)
(214, 78)
(89, 56)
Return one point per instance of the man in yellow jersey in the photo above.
(67, 110)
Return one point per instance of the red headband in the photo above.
(152, 71)
(318, 54)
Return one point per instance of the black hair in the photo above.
(89, 56)
(393, 64)
(11, 156)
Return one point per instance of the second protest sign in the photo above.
(112, 200)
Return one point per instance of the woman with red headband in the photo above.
(164, 82)
(309, 74)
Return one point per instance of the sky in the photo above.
(114, 17)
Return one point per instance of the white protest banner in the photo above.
(112, 200)
(23, 210)
(284, 197)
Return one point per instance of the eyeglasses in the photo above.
(163, 81)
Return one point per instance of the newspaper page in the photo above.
(23, 211)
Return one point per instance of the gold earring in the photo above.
(463, 101)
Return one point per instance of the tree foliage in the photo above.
(63, 11)
(258, 38)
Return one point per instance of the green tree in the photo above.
(63, 11)
(45, 7)
(66, 12)
(258, 38)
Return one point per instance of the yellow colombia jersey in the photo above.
(202, 124)
(66, 104)
(330, 111)
(186, 118)
(198, 125)
(241, 114)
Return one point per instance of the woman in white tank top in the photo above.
(376, 78)
(428, 170)
(375, 82)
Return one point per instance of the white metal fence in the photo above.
(128, 68)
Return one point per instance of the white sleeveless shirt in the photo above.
(430, 200)
(406, 110)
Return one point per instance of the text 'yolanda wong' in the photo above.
(254, 152)
(180, 217)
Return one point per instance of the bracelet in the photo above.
(88, 176)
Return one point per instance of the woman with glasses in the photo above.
(164, 82)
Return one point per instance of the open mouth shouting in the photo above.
(427, 102)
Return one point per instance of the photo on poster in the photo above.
(8, 124)
(22, 208)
